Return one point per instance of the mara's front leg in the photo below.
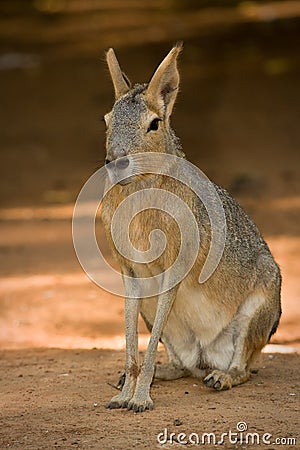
(132, 308)
(141, 399)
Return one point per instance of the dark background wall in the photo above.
(237, 115)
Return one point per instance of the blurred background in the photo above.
(237, 116)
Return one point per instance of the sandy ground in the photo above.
(61, 337)
(55, 399)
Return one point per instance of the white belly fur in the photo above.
(192, 328)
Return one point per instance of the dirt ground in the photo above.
(55, 399)
(61, 336)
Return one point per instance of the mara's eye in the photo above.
(154, 125)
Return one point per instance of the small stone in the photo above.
(177, 422)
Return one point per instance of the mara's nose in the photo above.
(122, 163)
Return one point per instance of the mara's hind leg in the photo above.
(255, 322)
(166, 371)
(173, 369)
(169, 371)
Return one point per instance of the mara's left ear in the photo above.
(120, 81)
(163, 87)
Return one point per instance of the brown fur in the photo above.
(216, 327)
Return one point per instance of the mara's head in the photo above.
(140, 118)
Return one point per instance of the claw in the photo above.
(209, 381)
(217, 385)
(138, 408)
(113, 405)
(121, 381)
(218, 380)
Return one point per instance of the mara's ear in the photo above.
(163, 87)
(119, 79)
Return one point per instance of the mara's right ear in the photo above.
(120, 81)
(163, 87)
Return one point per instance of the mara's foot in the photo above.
(221, 380)
(170, 372)
(118, 401)
(140, 403)
(137, 402)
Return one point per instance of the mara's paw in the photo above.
(218, 380)
(140, 404)
(169, 371)
(118, 401)
(121, 381)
